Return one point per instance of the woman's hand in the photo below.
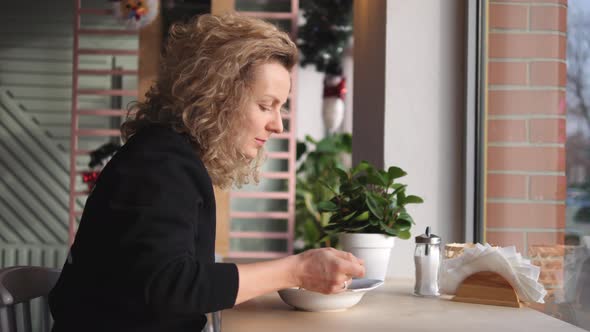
(321, 270)
(326, 270)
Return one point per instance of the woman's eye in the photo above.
(264, 108)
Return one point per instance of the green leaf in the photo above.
(376, 179)
(299, 192)
(388, 229)
(310, 206)
(347, 217)
(348, 188)
(404, 235)
(341, 174)
(326, 145)
(324, 219)
(401, 197)
(358, 227)
(395, 172)
(412, 199)
(362, 217)
(402, 225)
(325, 184)
(311, 233)
(346, 140)
(380, 200)
(310, 139)
(361, 179)
(362, 166)
(399, 189)
(384, 176)
(405, 216)
(332, 227)
(374, 207)
(301, 149)
(327, 206)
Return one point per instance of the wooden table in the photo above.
(392, 307)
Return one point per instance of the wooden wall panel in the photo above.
(222, 196)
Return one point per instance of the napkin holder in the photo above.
(487, 288)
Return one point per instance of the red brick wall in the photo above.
(525, 159)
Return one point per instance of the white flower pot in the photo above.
(373, 249)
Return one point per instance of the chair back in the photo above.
(18, 286)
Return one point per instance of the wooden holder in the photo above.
(487, 288)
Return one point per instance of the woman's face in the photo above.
(270, 91)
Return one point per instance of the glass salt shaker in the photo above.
(427, 260)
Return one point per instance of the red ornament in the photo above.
(333, 102)
(338, 90)
(90, 178)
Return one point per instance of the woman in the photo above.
(143, 257)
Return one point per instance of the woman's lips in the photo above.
(260, 141)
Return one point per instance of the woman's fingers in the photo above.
(349, 265)
(347, 256)
(327, 270)
(346, 267)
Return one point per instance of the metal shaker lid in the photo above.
(428, 238)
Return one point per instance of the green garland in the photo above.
(324, 36)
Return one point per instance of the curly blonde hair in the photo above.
(204, 83)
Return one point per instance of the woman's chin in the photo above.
(251, 155)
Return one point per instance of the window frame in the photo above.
(476, 100)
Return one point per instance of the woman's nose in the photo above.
(275, 125)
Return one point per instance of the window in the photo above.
(535, 141)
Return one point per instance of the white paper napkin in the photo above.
(507, 262)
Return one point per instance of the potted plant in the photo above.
(367, 211)
(316, 159)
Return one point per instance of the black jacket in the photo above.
(143, 256)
